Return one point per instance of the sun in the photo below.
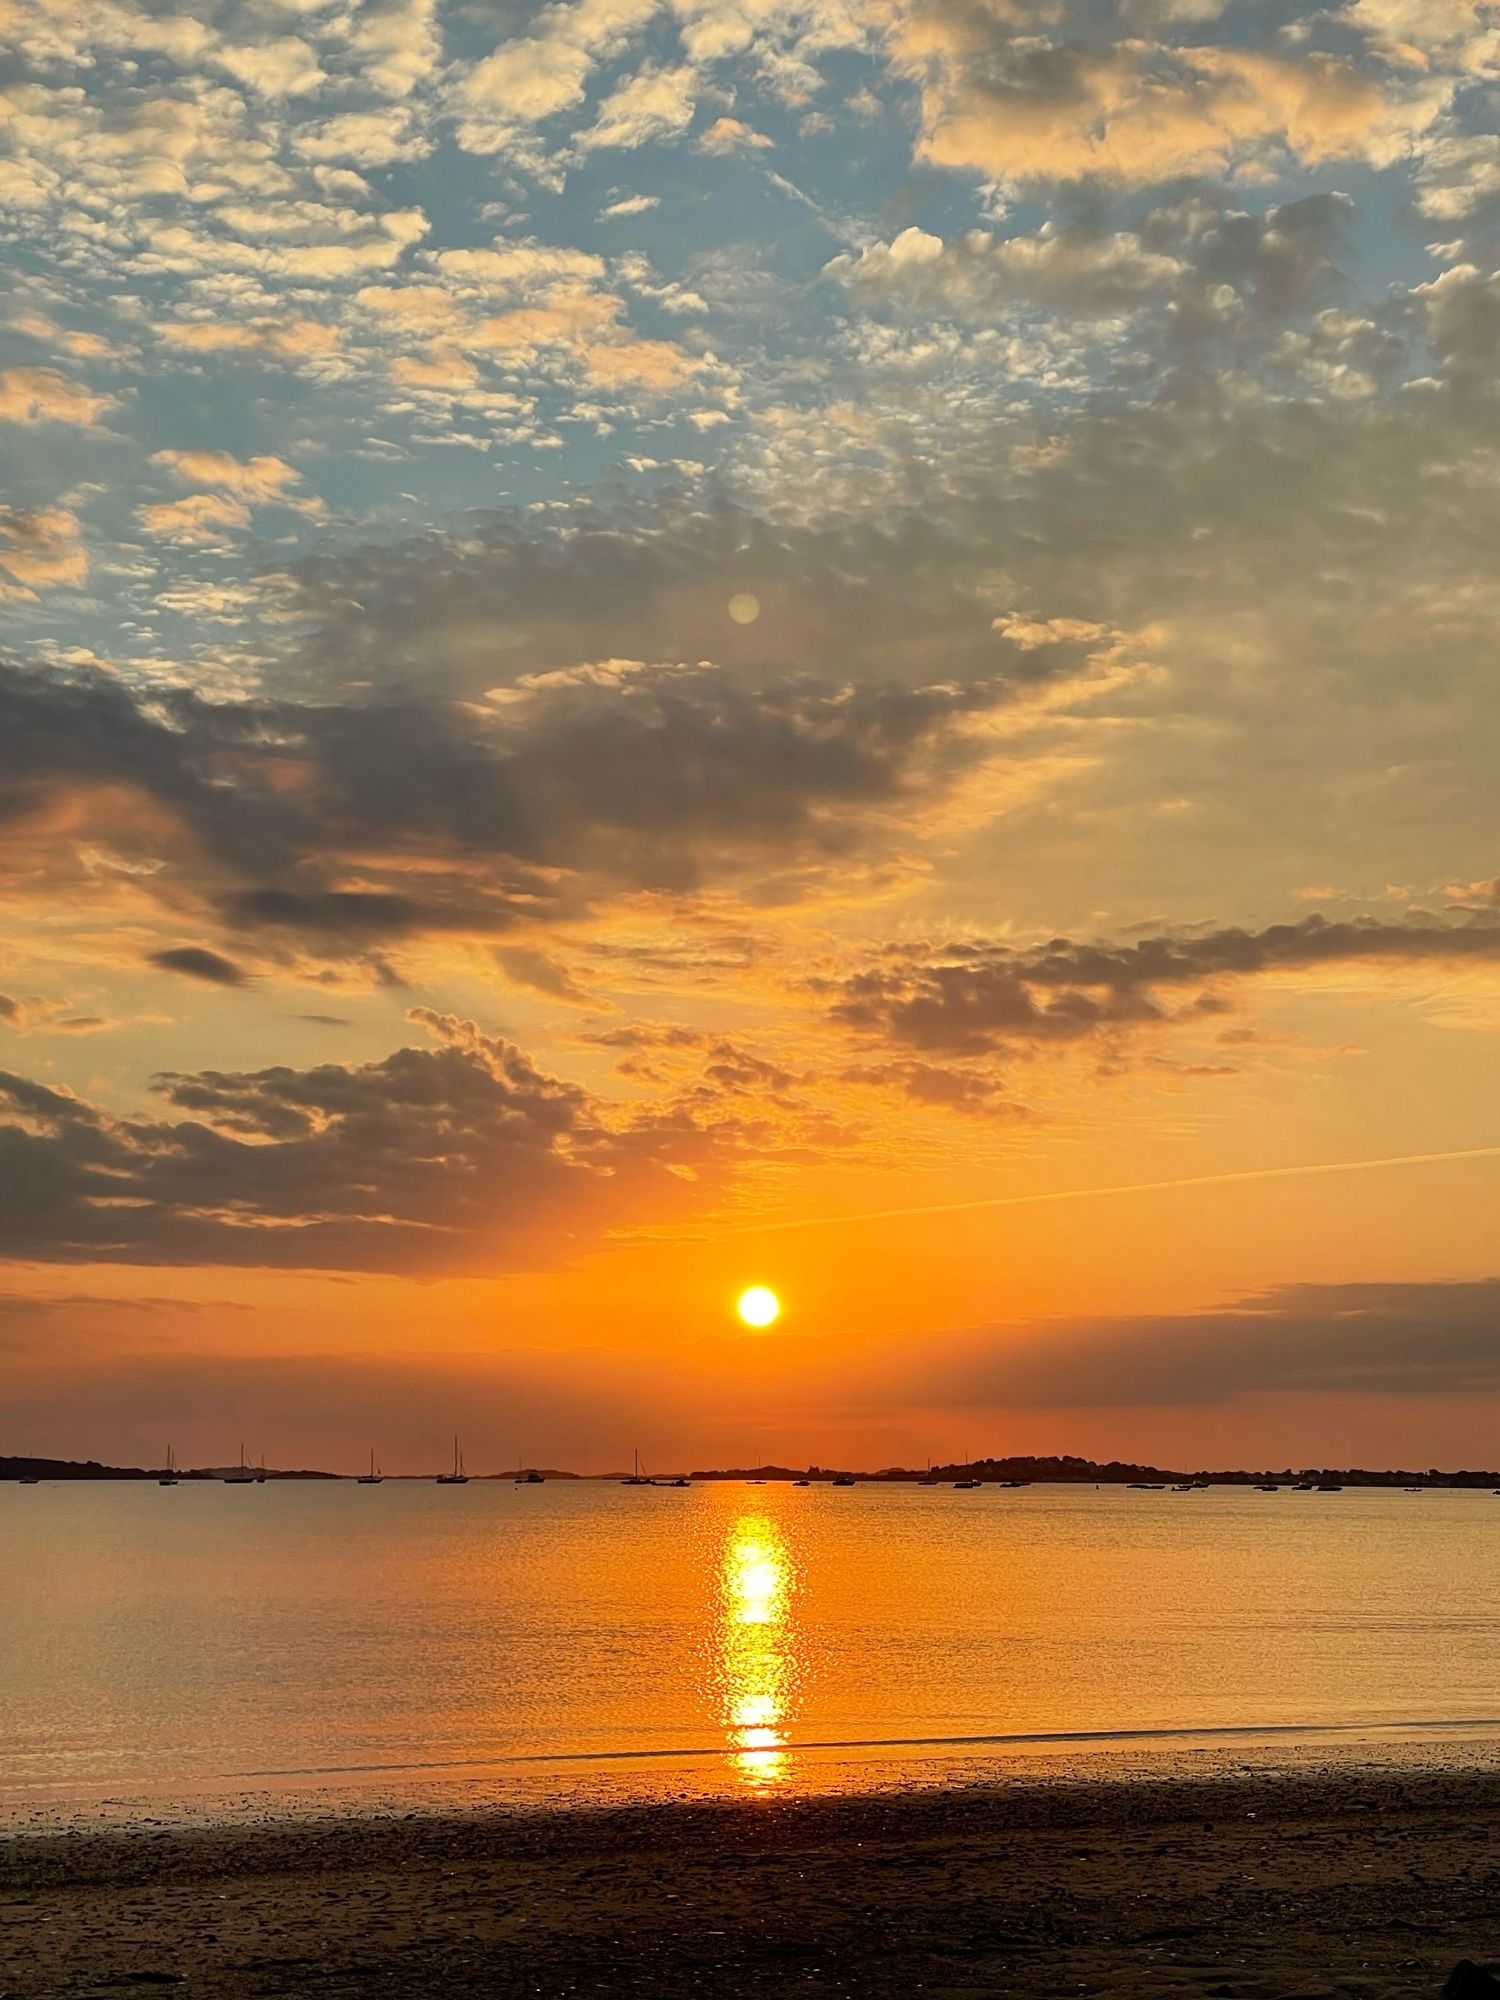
(758, 1306)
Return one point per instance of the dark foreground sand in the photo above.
(1359, 1883)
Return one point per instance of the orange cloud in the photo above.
(1137, 112)
(40, 548)
(42, 396)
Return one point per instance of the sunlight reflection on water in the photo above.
(756, 1667)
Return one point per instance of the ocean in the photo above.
(306, 1641)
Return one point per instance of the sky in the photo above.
(652, 645)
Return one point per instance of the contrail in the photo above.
(1124, 1187)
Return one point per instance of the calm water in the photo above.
(296, 1635)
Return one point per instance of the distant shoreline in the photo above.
(987, 1471)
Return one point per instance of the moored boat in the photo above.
(243, 1474)
(457, 1477)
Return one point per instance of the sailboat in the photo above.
(372, 1477)
(637, 1478)
(260, 1471)
(457, 1477)
(169, 1477)
(244, 1475)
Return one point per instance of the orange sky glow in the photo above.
(853, 656)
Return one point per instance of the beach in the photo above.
(1359, 1877)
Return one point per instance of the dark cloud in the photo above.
(483, 817)
(975, 997)
(948, 1088)
(1354, 1339)
(195, 962)
(459, 1156)
(1207, 269)
(532, 968)
(892, 600)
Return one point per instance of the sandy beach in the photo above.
(1361, 1881)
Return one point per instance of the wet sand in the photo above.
(1362, 1882)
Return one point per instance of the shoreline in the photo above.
(1358, 1876)
(557, 1784)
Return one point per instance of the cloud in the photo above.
(727, 136)
(627, 205)
(982, 997)
(199, 519)
(41, 548)
(352, 824)
(396, 44)
(1023, 108)
(259, 479)
(528, 967)
(294, 340)
(42, 396)
(534, 77)
(977, 274)
(196, 962)
(653, 104)
(49, 1017)
(1423, 1339)
(1206, 262)
(283, 67)
(461, 1156)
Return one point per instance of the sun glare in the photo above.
(758, 1306)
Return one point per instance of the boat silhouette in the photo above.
(243, 1474)
(457, 1477)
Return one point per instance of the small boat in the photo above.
(1015, 1485)
(457, 1477)
(1303, 1486)
(243, 1475)
(795, 1482)
(966, 1485)
(169, 1477)
(1187, 1486)
(1144, 1486)
(844, 1479)
(636, 1478)
(688, 1482)
(30, 1479)
(1328, 1489)
(374, 1476)
(1414, 1489)
(531, 1478)
(1268, 1489)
